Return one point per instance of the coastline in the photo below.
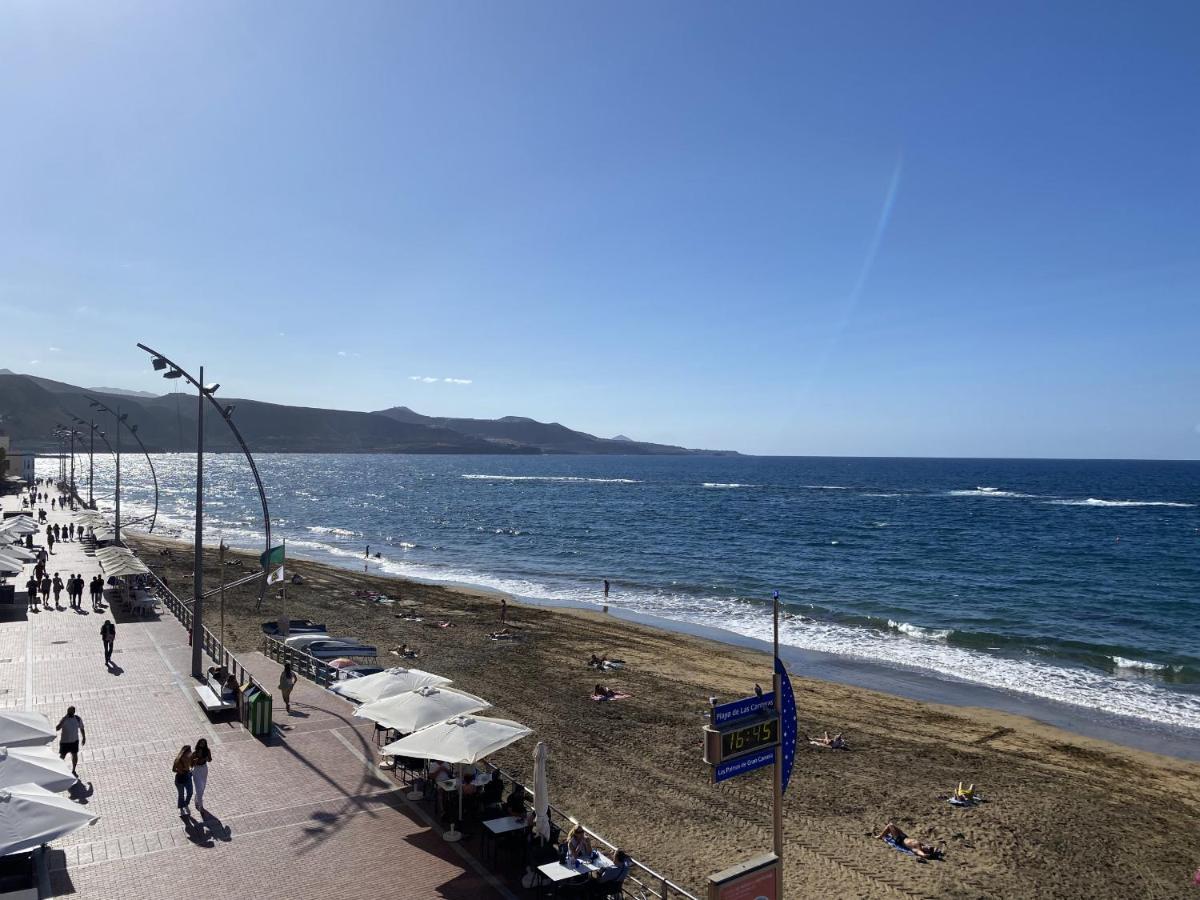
(628, 768)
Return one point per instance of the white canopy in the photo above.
(9, 563)
(387, 683)
(414, 710)
(91, 517)
(31, 816)
(463, 739)
(20, 525)
(19, 728)
(17, 551)
(34, 765)
(120, 568)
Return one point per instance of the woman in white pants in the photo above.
(201, 757)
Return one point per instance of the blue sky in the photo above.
(871, 228)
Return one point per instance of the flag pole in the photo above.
(221, 556)
(286, 622)
(778, 811)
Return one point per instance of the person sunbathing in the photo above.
(919, 849)
(406, 651)
(602, 691)
(837, 742)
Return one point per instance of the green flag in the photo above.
(273, 557)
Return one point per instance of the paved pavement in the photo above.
(308, 816)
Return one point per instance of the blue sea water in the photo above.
(1074, 581)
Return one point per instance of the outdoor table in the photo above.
(451, 784)
(504, 825)
(555, 872)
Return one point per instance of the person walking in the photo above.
(605, 588)
(72, 737)
(182, 767)
(50, 539)
(287, 681)
(46, 585)
(201, 757)
(31, 593)
(75, 589)
(108, 635)
(503, 609)
(97, 593)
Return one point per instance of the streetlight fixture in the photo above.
(207, 391)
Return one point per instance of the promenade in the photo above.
(307, 815)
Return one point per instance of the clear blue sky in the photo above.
(873, 228)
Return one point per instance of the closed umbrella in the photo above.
(541, 798)
(34, 765)
(414, 710)
(31, 816)
(22, 729)
(392, 681)
(463, 740)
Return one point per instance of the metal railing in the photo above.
(216, 651)
(302, 664)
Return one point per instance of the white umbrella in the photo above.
(9, 563)
(414, 710)
(387, 683)
(19, 728)
(21, 525)
(541, 797)
(463, 740)
(34, 765)
(31, 816)
(121, 568)
(17, 550)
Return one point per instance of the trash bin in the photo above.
(258, 712)
(243, 701)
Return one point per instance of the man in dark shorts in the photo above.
(108, 634)
(72, 737)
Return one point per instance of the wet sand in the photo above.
(1065, 815)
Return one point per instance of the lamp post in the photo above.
(160, 363)
(91, 462)
(133, 430)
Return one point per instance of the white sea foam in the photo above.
(916, 631)
(718, 484)
(883, 495)
(988, 492)
(826, 487)
(565, 479)
(1122, 663)
(324, 529)
(1093, 501)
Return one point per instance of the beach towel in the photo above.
(616, 695)
(896, 845)
(964, 801)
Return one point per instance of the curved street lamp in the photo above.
(161, 362)
(132, 429)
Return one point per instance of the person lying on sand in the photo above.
(602, 691)
(837, 742)
(405, 651)
(919, 849)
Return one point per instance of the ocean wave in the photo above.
(987, 492)
(565, 479)
(325, 529)
(916, 631)
(825, 487)
(882, 495)
(1139, 665)
(1093, 501)
(718, 484)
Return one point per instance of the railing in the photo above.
(302, 664)
(216, 651)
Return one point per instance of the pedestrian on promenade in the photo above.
(97, 593)
(31, 592)
(72, 590)
(72, 735)
(50, 539)
(46, 585)
(108, 634)
(57, 532)
(182, 767)
(57, 585)
(201, 757)
(287, 681)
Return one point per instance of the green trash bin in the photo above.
(258, 712)
(244, 692)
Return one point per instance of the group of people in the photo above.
(41, 583)
(56, 534)
(191, 775)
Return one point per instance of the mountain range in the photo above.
(32, 407)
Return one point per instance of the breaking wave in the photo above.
(1092, 501)
(564, 479)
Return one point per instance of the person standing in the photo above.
(46, 585)
(201, 757)
(503, 608)
(73, 734)
(182, 767)
(57, 585)
(605, 588)
(75, 590)
(50, 539)
(31, 593)
(287, 681)
(97, 592)
(108, 635)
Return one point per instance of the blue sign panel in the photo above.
(743, 764)
(730, 713)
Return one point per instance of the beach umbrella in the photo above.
(342, 663)
(31, 816)
(22, 729)
(21, 525)
(9, 563)
(541, 798)
(34, 765)
(16, 550)
(391, 681)
(414, 710)
(463, 740)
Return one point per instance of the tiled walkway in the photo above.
(307, 816)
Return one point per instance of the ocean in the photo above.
(1069, 581)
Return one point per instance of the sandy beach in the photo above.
(1065, 816)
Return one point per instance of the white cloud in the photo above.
(432, 379)
(56, 349)
(34, 362)
(341, 353)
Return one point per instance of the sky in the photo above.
(933, 229)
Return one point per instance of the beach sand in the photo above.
(1066, 816)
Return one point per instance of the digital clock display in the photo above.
(750, 737)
